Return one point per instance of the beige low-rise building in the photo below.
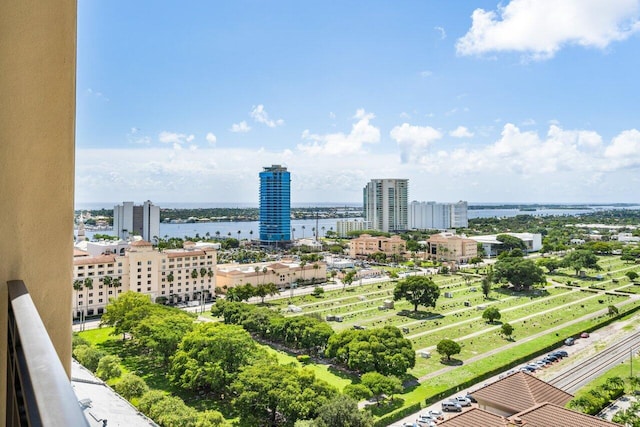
(283, 273)
(179, 275)
(366, 245)
(451, 247)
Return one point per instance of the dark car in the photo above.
(562, 353)
(471, 398)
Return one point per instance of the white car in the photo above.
(462, 401)
(434, 413)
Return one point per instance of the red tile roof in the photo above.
(475, 417)
(548, 414)
(518, 392)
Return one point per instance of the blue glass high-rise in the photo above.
(275, 205)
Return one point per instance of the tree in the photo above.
(88, 356)
(522, 273)
(210, 357)
(348, 279)
(551, 264)
(342, 411)
(383, 350)
(381, 385)
(448, 348)
(581, 259)
(418, 290)
(487, 280)
(262, 290)
(632, 275)
(88, 283)
(162, 331)
(131, 386)
(317, 292)
(507, 330)
(491, 314)
(357, 391)
(124, 312)
(109, 367)
(612, 310)
(510, 242)
(267, 390)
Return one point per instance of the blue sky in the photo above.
(518, 101)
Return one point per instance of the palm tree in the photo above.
(77, 286)
(229, 234)
(322, 228)
(302, 265)
(250, 234)
(108, 281)
(210, 276)
(315, 273)
(303, 227)
(88, 283)
(238, 234)
(218, 234)
(264, 273)
(293, 233)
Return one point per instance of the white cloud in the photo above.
(426, 73)
(461, 132)
(241, 127)
(624, 151)
(362, 132)
(413, 140)
(211, 138)
(332, 115)
(175, 138)
(443, 33)
(259, 115)
(528, 122)
(542, 27)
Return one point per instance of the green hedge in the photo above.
(397, 415)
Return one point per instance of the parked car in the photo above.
(551, 358)
(426, 421)
(471, 398)
(438, 415)
(570, 341)
(463, 401)
(451, 406)
(561, 353)
(584, 335)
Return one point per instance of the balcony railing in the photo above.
(39, 392)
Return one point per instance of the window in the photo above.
(139, 262)
(148, 262)
(90, 301)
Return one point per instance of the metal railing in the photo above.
(39, 392)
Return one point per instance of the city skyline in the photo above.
(485, 103)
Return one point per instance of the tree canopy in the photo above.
(491, 314)
(342, 411)
(581, 259)
(418, 290)
(382, 350)
(521, 272)
(210, 357)
(124, 312)
(266, 391)
(510, 242)
(448, 348)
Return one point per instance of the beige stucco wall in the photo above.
(37, 120)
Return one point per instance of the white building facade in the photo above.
(343, 228)
(386, 204)
(438, 216)
(129, 220)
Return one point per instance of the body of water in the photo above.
(249, 229)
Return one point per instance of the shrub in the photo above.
(303, 358)
(108, 368)
(131, 386)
